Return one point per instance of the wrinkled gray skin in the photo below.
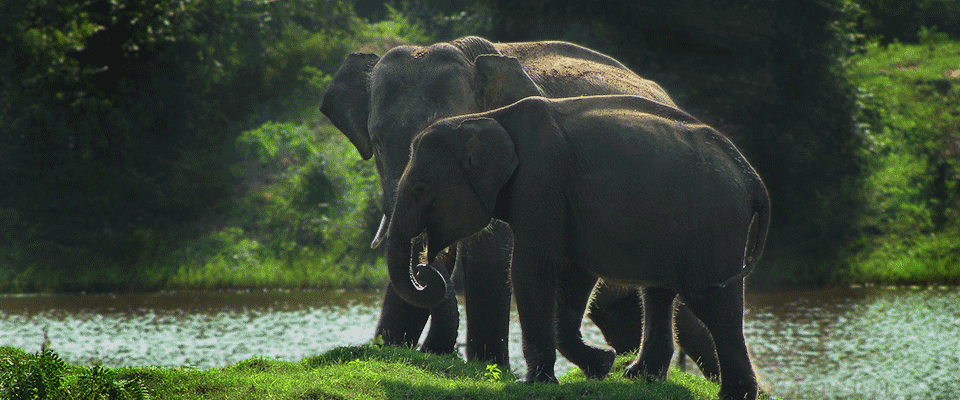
(617, 187)
(381, 103)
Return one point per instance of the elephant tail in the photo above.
(761, 219)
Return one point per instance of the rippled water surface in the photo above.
(863, 343)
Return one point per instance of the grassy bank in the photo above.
(364, 372)
(910, 111)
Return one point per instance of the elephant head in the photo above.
(448, 191)
(381, 103)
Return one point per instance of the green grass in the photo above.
(364, 372)
(910, 98)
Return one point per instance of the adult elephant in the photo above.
(617, 187)
(381, 103)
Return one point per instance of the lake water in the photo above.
(862, 343)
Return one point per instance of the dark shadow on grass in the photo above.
(452, 367)
(449, 366)
(579, 390)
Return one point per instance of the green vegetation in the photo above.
(188, 152)
(177, 145)
(45, 376)
(910, 97)
(365, 372)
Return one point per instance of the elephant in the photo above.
(618, 188)
(381, 103)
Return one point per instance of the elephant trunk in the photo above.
(419, 284)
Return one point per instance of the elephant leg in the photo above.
(722, 313)
(445, 317)
(656, 349)
(576, 284)
(400, 322)
(444, 321)
(535, 281)
(695, 341)
(617, 311)
(485, 259)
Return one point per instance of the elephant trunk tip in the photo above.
(426, 279)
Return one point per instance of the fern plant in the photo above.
(43, 376)
(38, 376)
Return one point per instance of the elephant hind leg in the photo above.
(695, 341)
(722, 313)
(656, 348)
(616, 310)
(575, 287)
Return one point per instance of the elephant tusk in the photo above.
(381, 232)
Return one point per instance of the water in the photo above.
(851, 344)
(857, 344)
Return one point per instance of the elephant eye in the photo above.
(419, 188)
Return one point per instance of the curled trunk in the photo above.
(419, 284)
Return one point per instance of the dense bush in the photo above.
(909, 21)
(910, 109)
(118, 122)
(302, 215)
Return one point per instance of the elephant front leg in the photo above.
(485, 259)
(576, 284)
(400, 323)
(535, 288)
(445, 317)
(444, 321)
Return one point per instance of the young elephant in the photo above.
(620, 188)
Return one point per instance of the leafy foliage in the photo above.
(45, 376)
(119, 122)
(39, 376)
(304, 211)
(910, 110)
(101, 383)
(909, 21)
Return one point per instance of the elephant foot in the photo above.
(601, 365)
(539, 376)
(543, 379)
(647, 371)
(739, 390)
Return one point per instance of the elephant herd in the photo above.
(552, 173)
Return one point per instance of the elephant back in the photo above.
(563, 69)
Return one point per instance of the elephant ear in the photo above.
(489, 159)
(347, 101)
(502, 81)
